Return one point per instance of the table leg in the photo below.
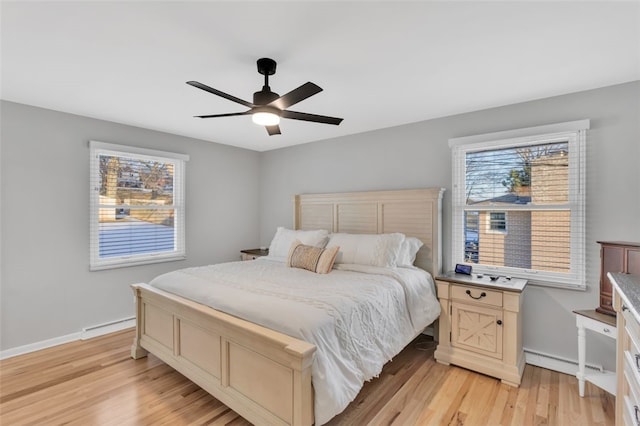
(581, 358)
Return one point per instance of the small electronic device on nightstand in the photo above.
(463, 269)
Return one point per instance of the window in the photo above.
(137, 210)
(498, 221)
(518, 203)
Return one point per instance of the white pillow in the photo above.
(408, 251)
(284, 237)
(367, 249)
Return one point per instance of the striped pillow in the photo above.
(314, 259)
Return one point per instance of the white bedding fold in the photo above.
(358, 317)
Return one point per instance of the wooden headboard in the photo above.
(413, 212)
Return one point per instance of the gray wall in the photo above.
(417, 155)
(47, 290)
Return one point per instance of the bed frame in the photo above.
(264, 375)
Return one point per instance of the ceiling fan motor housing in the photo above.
(264, 96)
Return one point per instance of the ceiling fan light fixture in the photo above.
(265, 118)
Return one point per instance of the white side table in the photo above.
(605, 325)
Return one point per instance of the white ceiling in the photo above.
(380, 64)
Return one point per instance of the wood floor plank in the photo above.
(522, 397)
(542, 401)
(499, 406)
(554, 398)
(443, 409)
(95, 382)
(510, 406)
(406, 405)
(532, 400)
(477, 405)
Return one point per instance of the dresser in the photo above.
(480, 327)
(615, 257)
(626, 302)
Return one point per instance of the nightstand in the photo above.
(252, 254)
(602, 324)
(481, 325)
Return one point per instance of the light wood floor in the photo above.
(95, 382)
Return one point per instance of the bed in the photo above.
(264, 374)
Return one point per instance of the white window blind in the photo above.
(137, 210)
(518, 203)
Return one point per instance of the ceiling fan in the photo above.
(268, 107)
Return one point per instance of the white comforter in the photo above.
(359, 317)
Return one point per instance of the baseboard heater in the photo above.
(557, 363)
(107, 327)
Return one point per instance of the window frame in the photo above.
(490, 222)
(574, 133)
(96, 149)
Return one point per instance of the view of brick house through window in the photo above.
(501, 228)
(518, 202)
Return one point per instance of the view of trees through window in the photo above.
(136, 212)
(516, 207)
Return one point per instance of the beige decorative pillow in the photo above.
(314, 259)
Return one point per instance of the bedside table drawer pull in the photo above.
(483, 294)
(499, 322)
(637, 358)
(635, 411)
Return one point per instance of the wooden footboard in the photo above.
(263, 375)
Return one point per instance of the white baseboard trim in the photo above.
(44, 344)
(556, 363)
(86, 333)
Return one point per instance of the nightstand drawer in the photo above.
(476, 295)
(605, 330)
(597, 326)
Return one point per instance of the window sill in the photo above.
(549, 284)
(138, 262)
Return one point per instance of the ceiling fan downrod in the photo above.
(266, 67)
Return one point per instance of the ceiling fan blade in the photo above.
(219, 93)
(273, 130)
(296, 95)
(310, 117)
(230, 114)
